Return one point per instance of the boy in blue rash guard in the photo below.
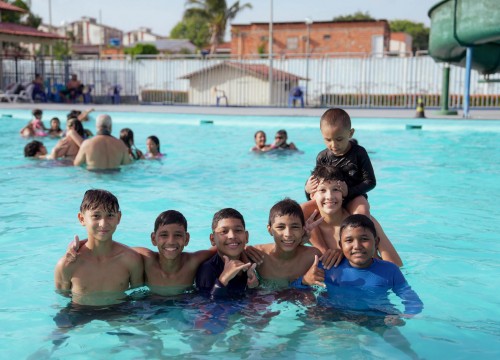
(362, 281)
(225, 274)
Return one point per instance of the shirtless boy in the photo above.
(287, 262)
(104, 268)
(225, 274)
(328, 199)
(170, 271)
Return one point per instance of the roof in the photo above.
(20, 33)
(257, 70)
(6, 6)
(171, 45)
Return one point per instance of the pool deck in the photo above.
(487, 114)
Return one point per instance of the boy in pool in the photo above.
(104, 268)
(170, 271)
(287, 262)
(347, 155)
(35, 149)
(225, 274)
(366, 279)
(280, 141)
(327, 199)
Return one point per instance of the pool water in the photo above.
(435, 197)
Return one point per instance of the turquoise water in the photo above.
(436, 199)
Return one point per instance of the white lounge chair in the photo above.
(26, 94)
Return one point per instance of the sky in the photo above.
(162, 15)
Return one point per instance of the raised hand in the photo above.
(331, 258)
(310, 225)
(231, 269)
(311, 185)
(315, 275)
(254, 254)
(72, 251)
(252, 281)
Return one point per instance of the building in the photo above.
(324, 37)
(141, 35)
(241, 84)
(401, 44)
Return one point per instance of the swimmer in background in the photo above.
(35, 127)
(82, 116)
(104, 268)
(127, 136)
(35, 149)
(260, 142)
(280, 141)
(69, 145)
(55, 128)
(153, 148)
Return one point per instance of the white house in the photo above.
(242, 84)
(141, 35)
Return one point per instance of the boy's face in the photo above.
(328, 197)
(230, 238)
(279, 139)
(100, 223)
(287, 231)
(336, 138)
(170, 240)
(358, 245)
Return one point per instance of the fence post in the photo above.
(445, 92)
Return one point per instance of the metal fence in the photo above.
(357, 81)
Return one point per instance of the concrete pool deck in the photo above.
(475, 114)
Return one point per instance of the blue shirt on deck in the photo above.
(367, 289)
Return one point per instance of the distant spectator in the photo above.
(39, 89)
(35, 149)
(74, 88)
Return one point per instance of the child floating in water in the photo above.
(153, 146)
(35, 127)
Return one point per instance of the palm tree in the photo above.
(217, 14)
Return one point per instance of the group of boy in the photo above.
(99, 270)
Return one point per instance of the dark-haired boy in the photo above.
(104, 268)
(225, 274)
(170, 271)
(35, 149)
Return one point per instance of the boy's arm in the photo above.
(369, 182)
(62, 276)
(80, 158)
(75, 137)
(385, 247)
(201, 256)
(136, 270)
(412, 303)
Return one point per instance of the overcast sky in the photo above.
(162, 15)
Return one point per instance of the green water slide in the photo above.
(458, 24)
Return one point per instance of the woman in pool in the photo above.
(68, 146)
(260, 142)
(55, 128)
(153, 146)
(127, 136)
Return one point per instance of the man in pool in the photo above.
(170, 271)
(104, 268)
(103, 151)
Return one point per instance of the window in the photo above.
(292, 43)
(326, 37)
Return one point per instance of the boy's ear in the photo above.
(119, 216)
(153, 238)
(212, 240)
(377, 241)
(247, 236)
(81, 218)
(270, 230)
(187, 239)
(351, 132)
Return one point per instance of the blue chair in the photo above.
(296, 94)
(87, 94)
(114, 92)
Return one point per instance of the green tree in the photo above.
(358, 15)
(142, 49)
(418, 31)
(216, 14)
(27, 19)
(195, 29)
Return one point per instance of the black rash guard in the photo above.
(356, 167)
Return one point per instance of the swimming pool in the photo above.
(435, 197)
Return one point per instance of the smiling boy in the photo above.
(104, 268)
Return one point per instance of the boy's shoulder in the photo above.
(308, 250)
(126, 251)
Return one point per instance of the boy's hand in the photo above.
(311, 184)
(315, 275)
(252, 281)
(310, 225)
(231, 269)
(331, 258)
(254, 255)
(72, 251)
(343, 188)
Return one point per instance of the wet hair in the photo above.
(73, 114)
(77, 126)
(227, 213)
(32, 148)
(96, 198)
(358, 221)
(56, 119)
(327, 173)
(170, 217)
(258, 132)
(37, 112)
(127, 136)
(155, 140)
(336, 116)
(283, 133)
(286, 206)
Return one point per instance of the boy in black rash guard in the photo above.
(225, 275)
(348, 156)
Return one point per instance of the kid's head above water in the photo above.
(170, 234)
(358, 240)
(286, 224)
(335, 126)
(228, 233)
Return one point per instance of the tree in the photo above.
(358, 15)
(27, 19)
(418, 31)
(216, 14)
(195, 29)
(142, 49)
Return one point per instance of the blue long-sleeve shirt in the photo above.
(367, 289)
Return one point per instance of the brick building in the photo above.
(324, 37)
